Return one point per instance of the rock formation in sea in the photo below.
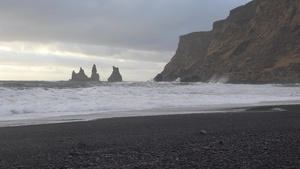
(81, 76)
(257, 43)
(115, 76)
(95, 76)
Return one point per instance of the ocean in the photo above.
(35, 102)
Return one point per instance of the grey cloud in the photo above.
(133, 24)
(113, 53)
(33, 60)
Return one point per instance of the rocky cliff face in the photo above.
(257, 43)
(115, 76)
(81, 76)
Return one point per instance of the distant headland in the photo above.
(95, 77)
(257, 43)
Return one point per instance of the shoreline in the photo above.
(140, 113)
(260, 137)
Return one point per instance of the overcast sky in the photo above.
(48, 39)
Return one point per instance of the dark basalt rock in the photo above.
(257, 43)
(193, 78)
(115, 76)
(81, 76)
(158, 78)
(95, 76)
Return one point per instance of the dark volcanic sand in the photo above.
(259, 138)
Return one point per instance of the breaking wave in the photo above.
(23, 100)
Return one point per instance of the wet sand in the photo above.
(261, 137)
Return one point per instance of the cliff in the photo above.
(115, 75)
(257, 43)
(81, 76)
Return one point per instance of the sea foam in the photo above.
(30, 100)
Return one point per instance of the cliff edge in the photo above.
(257, 43)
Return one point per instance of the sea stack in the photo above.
(115, 76)
(95, 76)
(81, 76)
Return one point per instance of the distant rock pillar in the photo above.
(80, 76)
(73, 75)
(95, 76)
(115, 76)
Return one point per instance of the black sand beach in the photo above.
(262, 137)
